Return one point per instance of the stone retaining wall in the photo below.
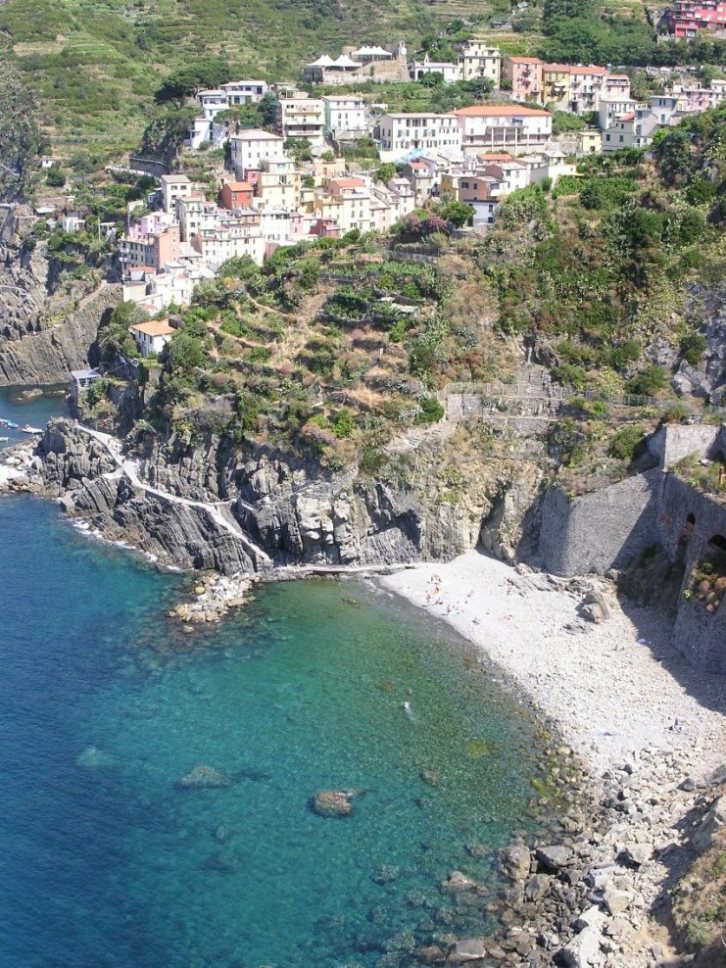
(598, 531)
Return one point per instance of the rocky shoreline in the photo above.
(596, 891)
(647, 740)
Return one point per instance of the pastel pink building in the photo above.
(688, 17)
(526, 76)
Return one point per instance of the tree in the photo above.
(386, 172)
(185, 352)
(672, 150)
(458, 213)
(55, 178)
(299, 148)
(183, 83)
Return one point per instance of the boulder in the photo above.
(635, 855)
(431, 955)
(470, 950)
(555, 857)
(712, 821)
(583, 951)
(204, 777)
(617, 901)
(537, 887)
(331, 803)
(515, 862)
(458, 882)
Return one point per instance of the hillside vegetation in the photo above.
(340, 346)
(95, 66)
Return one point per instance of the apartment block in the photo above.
(251, 147)
(509, 127)
(301, 117)
(405, 134)
(478, 59)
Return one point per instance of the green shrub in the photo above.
(431, 411)
(55, 178)
(649, 381)
(344, 424)
(693, 346)
(625, 442)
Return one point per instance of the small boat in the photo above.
(2, 439)
(8, 424)
(27, 429)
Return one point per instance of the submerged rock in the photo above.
(332, 803)
(204, 777)
(92, 758)
(223, 862)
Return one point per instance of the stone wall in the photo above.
(676, 441)
(598, 531)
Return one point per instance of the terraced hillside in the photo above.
(95, 64)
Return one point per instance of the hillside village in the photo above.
(299, 178)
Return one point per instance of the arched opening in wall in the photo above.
(717, 546)
(684, 537)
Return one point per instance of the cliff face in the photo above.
(204, 505)
(47, 326)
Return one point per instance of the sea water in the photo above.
(105, 703)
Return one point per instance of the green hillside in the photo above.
(95, 64)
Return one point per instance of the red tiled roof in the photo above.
(347, 182)
(501, 111)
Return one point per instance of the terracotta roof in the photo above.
(417, 164)
(501, 111)
(495, 156)
(157, 327)
(238, 186)
(560, 68)
(626, 117)
(579, 69)
(348, 182)
(525, 60)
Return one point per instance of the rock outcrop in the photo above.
(707, 377)
(48, 325)
(203, 505)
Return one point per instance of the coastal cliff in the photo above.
(48, 323)
(206, 504)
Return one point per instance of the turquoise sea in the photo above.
(105, 703)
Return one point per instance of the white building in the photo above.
(450, 72)
(632, 130)
(173, 187)
(153, 336)
(301, 117)
(403, 135)
(344, 113)
(509, 127)
(205, 129)
(251, 147)
(612, 108)
(244, 92)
